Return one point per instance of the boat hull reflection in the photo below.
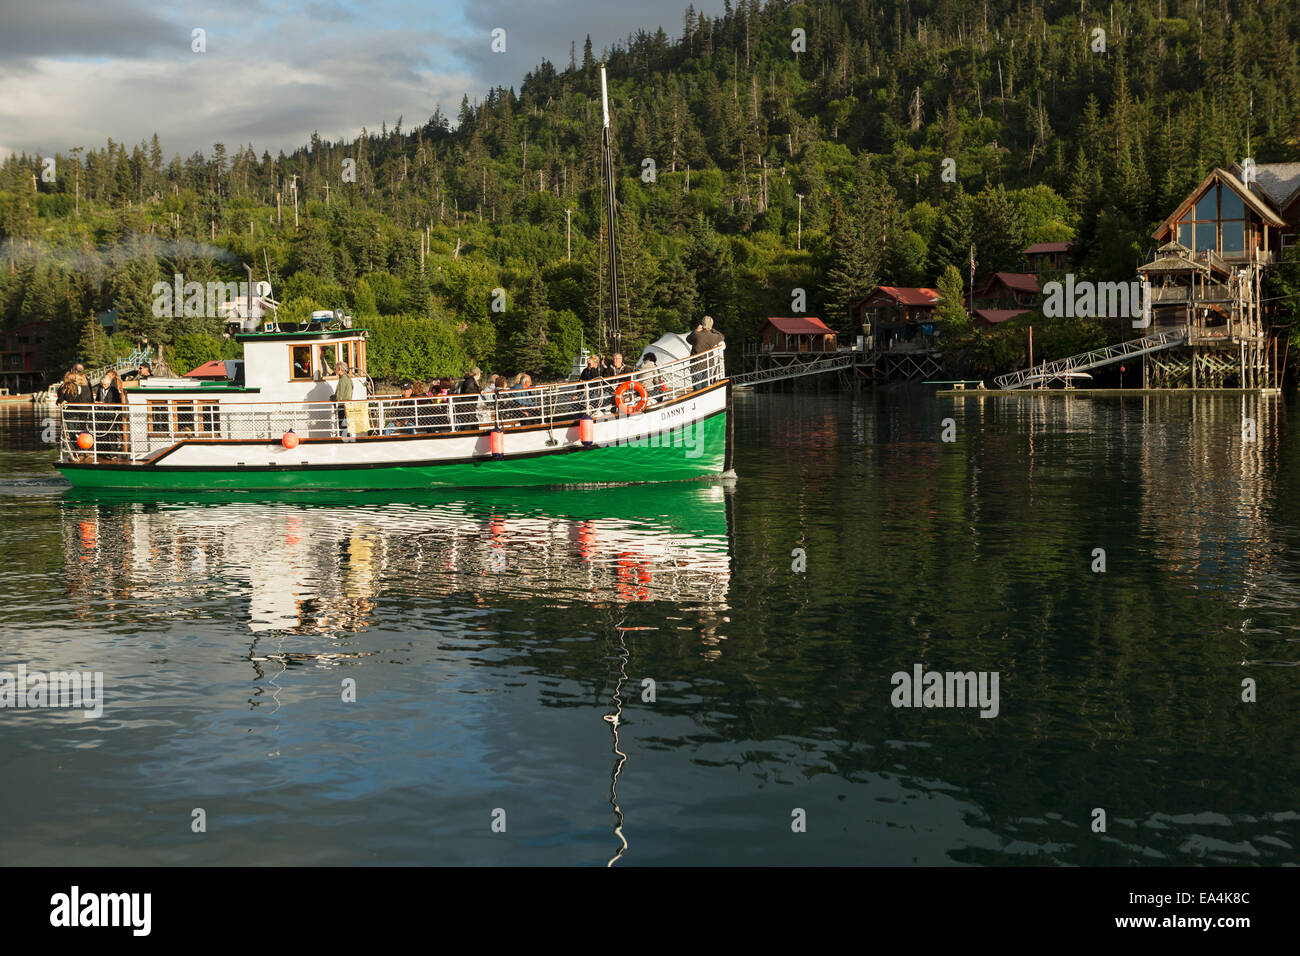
(325, 565)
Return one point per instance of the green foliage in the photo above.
(1284, 288)
(404, 346)
(1044, 214)
(950, 313)
(187, 352)
(92, 347)
(838, 151)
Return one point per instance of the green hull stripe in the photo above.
(667, 457)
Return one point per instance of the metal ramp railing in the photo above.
(795, 370)
(1092, 359)
(134, 360)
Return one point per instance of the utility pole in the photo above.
(568, 235)
(799, 240)
(294, 187)
(327, 194)
(76, 202)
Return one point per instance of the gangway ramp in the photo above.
(834, 363)
(1067, 367)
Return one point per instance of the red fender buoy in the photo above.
(586, 431)
(85, 441)
(290, 440)
(497, 443)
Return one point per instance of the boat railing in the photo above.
(138, 430)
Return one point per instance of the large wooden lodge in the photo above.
(1207, 273)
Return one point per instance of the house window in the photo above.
(1205, 236)
(1234, 238)
(1217, 223)
(301, 365)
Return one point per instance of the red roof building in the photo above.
(1008, 290)
(215, 370)
(22, 357)
(1048, 257)
(800, 334)
(897, 317)
(991, 317)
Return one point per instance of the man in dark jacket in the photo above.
(616, 367)
(467, 408)
(704, 337)
(402, 412)
(701, 340)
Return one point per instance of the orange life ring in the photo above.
(618, 397)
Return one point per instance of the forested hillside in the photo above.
(820, 169)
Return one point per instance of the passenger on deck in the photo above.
(68, 389)
(704, 337)
(75, 390)
(109, 390)
(108, 424)
(402, 412)
(701, 340)
(616, 368)
(648, 375)
(521, 406)
(343, 395)
(467, 400)
(593, 369)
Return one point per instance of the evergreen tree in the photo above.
(92, 346)
(851, 274)
(955, 237)
(997, 233)
(950, 313)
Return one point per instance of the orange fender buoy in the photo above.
(622, 404)
(290, 440)
(586, 431)
(497, 443)
(85, 441)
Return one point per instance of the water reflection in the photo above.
(321, 565)
(501, 645)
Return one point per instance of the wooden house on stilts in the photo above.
(1206, 277)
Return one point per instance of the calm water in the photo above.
(492, 636)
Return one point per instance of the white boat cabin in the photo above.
(277, 367)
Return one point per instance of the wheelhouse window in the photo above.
(159, 419)
(209, 418)
(328, 360)
(350, 354)
(1216, 223)
(301, 363)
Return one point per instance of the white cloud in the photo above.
(275, 106)
(77, 72)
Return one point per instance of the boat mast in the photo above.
(616, 333)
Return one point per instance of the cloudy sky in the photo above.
(76, 72)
